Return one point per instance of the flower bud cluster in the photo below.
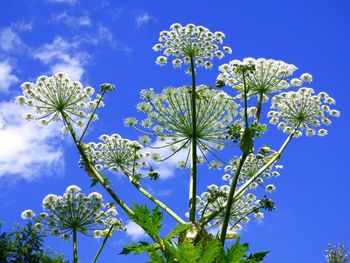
(52, 97)
(190, 41)
(75, 211)
(302, 110)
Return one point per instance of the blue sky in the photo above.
(111, 41)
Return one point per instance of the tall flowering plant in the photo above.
(200, 120)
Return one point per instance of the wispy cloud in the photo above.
(63, 55)
(24, 153)
(9, 40)
(23, 25)
(72, 21)
(64, 1)
(134, 231)
(142, 18)
(7, 78)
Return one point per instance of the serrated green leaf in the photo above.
(93, 182)
(236, 252)
(258, 256)
(138, 248)
(211, 253)
(177, 230)
(150, 222)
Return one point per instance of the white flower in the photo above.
(26, 214)
(262, 76)
(191, 41)
(270, 188)
(72, 189)
(95, 196)
(301, 110)
(52, 97)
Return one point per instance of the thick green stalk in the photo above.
(230, 199)
(241, 190)
(273, 159)
(258, 110)
(75, 247)
(193, 172)
(91, 169)
(103, 244)
(153, 199)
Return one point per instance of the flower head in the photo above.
(261, 75)
(74, 211)
(190, 41)
(169, 118)
(52, 97)
(302, 110)
(117, 154)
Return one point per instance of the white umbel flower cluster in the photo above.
(52, 97)
(169, 118)
(75, 210)
(117, 154)
(302, 110)
(184, 42)
(264, 77)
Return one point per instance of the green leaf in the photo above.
(177, 230)
(156, 258)
(258, 256)
(94, 182)
(138, 248)
(211, 252)
(235, 253)
(150, 222)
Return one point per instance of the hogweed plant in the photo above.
(200, 120)
(74, 212)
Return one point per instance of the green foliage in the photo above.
(247, 143)
(25, 244)
(206, 250)
(257, 129)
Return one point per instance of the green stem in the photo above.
(274, 158)
(75, 246)
(258, 110)
(92, 115)
(242, 189)
(193, 171)
(103, 244)
(92, 171)
(230, 199)
(245, 101)
(152, 198)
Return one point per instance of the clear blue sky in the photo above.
(111, 41)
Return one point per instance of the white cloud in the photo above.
(63, 55)
(72, 21)
(6, 76)
(64, 1)
(142, 18)
(27, 150)
(134, 231)
(9, 40)
(23, 25)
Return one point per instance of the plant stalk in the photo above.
(154, 199)
(75, 246)
(92, 171)
(241, 190)
(230, 199)
(103, 244)
(193, 169)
